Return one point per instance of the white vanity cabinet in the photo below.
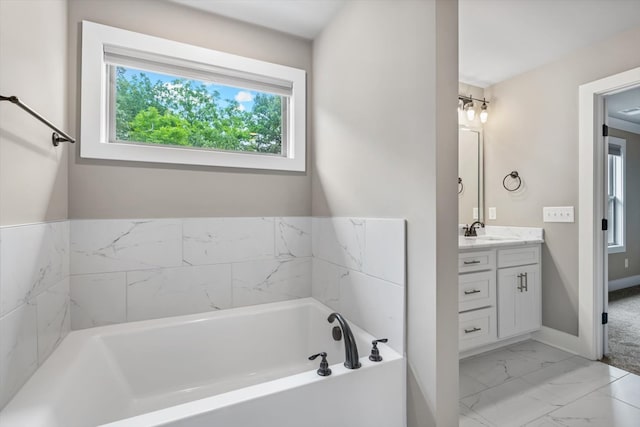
(499, 294)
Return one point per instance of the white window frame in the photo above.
(619, 223)
(95, 121)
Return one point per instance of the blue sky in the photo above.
(243, 96)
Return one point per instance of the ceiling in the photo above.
(500, 39)
(303, 18)
(628, 100)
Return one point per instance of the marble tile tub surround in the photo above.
(34, 299)
(359, 271)
(126, 270)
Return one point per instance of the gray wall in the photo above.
(533, 128)
(632, 202)
(33, 174)
(114, 189)
(385, 145)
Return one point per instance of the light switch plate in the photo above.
(475, 213)
(492, 213)
(558, 214)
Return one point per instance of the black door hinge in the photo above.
(605, 318)
(605, 224)
(605, 130)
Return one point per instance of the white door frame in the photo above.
(591, 241)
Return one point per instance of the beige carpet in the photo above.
(624, 329)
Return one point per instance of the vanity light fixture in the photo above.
(466, 104)
(469, 108)
(484, 114)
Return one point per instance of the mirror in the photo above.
(470, 176)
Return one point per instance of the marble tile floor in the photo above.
(534, 385)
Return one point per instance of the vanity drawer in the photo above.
(476, 261)
(476, 290)
(518, 256)
(477, 328)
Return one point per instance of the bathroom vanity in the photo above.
(499, 287)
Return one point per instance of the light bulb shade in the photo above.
(469, 108)
(484, 113)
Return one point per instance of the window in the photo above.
(616, 186)
(155, 100)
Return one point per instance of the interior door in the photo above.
(530, 299)
(519, 300)
(508, 282)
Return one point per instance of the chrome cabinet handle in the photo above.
(469, 331)
(475, 261)
(473, 291)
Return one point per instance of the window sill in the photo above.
(617, 249)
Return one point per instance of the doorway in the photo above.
(621, 334)
(594, 208)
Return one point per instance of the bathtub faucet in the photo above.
(350, 347)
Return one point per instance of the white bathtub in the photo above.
(241, 367)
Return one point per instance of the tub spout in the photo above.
(350, 347)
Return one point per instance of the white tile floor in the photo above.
(534, 385)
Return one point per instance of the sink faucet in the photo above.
(470, 231)
(350, 347)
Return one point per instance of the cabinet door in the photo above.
(519, 300)
(530, 299)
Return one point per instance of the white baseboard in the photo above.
(625, 282)
(553, 337)
(559, 339)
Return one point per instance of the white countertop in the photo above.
(497, 236)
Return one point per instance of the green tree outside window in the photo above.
(185, 113)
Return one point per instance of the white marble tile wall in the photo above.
(264, 281)
(34, 299)
(359, 270)
(102, 246)
(126, 270)
(34, 258)
(175, 291)
(98, 299)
